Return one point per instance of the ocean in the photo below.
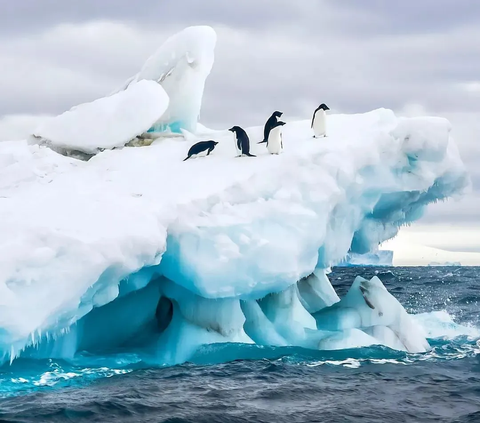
(373, 384)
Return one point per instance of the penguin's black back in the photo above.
(243, 142)
(200, 147)
(269, 124)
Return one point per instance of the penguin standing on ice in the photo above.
(272, 120)
(275, 140)
(319, 121)
(242, 142)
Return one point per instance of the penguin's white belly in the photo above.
(238, 150)
(201, 154)
(319, 124)
(274, 145)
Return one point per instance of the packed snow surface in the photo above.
(211, 248)
(107, 122)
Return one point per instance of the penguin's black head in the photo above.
(277, 114)
(234, 129)
(323, 106)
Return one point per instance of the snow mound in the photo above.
(105, 123)
(136, 246)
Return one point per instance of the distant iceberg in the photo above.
(374, 258)
(446, 263)
(137, 249)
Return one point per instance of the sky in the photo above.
(416, 57)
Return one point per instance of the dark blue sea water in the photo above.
(280, 384)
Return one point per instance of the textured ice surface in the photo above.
(369, 306)
(181, 66)
(107, 122)
(211, 235)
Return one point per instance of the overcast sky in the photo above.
(416, 57)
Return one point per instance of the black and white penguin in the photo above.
(201, 147)
(272, 120)
(319, 121)
(242, 142)
(275, 140)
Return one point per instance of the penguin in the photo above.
(242, 142)
(200, 147)
(275, 141)
(318, 121)
(272, 120)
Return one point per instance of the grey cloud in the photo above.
(425, 16)
(365, 18)
(36, 15)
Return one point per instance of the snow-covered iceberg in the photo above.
(373, 258)
(136, 248)
(139, 250)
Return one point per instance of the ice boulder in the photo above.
(105, 123)
(369, 306)
(181, 66)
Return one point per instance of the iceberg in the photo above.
(373, 258)
(445, 264)
(139, 250)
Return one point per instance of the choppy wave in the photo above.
(450, 341)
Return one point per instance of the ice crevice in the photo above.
(137, 250)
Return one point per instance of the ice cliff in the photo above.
(139, 250)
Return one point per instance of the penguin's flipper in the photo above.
(261, 142)
(186, 158)
(250, 155)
